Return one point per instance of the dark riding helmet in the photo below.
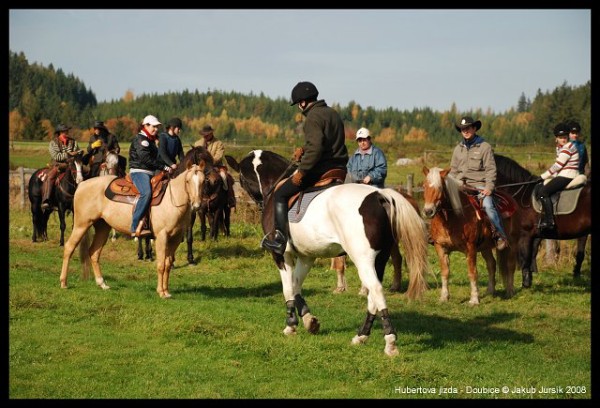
(574, 127)
(561, 130)
(174, 122)
(304, 91)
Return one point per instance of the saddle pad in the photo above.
(563, 202)
(295, 214)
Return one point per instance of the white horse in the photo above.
(354, 219)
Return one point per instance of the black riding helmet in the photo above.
(304, 91)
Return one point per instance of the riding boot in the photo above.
(547, 222)
(279, 241)
(48, 186)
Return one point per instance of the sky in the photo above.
(399, 58)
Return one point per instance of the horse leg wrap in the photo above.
(387, 323)
(301, 305)
(365, 330)
(292, 319)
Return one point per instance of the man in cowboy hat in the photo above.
(473, 163)
(101, 142)
(61, 148)
(217, 150)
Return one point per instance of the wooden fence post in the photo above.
(22, 183)
(409, 184)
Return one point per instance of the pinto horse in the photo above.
(456, 225)
(355, 219)
(519, 183)
(169, 220)
(284, 167)
(61, 199)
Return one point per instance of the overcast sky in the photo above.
(398, 58)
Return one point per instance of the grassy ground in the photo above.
(220, 336)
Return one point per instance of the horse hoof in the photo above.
(390, 345)
(311, 323)
(289, 330)
(339, 289)
(362, 339)
(166, 295)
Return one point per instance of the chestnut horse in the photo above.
(169, 220)
(457, 226)
(520, 182)
(361, 221)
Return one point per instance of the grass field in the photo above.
(220, 336)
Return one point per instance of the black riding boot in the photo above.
(279, 241)
(547, 222)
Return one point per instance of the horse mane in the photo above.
(453, 188)
(508, 170)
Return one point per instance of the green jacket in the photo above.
(324, 140)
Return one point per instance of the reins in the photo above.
(280, 178)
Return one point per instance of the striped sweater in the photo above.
(566, 164)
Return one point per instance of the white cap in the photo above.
(362, 133)
(151, 120)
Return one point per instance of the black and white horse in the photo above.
(354, 219)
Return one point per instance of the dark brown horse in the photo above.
(519, 182)
(456, 225)
(61, 199)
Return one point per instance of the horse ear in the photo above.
(232, 163)
(445, 172)
(425, 170)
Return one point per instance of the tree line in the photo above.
(41, 97)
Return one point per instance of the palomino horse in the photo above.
(456, 225)
(169, 220)
(519, 182)
(62, 199)
(281, 166)
(355, 219)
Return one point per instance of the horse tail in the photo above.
(84, 255)
(410, 230)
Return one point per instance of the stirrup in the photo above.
(277, 244)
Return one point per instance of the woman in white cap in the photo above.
(143, 162)
(368, 164)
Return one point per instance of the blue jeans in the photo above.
(142, 183)
(492, 213)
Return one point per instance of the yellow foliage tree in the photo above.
(16, 125)
(129, 96)
(415, 134)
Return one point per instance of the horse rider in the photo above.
(101, 142)
(143, 162)
(61, 148)
(574, 133)
(217, 150)
(564, 169)
(367, 165)
(169, 144)
(324, 149)
(473, 163)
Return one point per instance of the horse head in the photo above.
(259, 171)
(194, 180)
(439, 190)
